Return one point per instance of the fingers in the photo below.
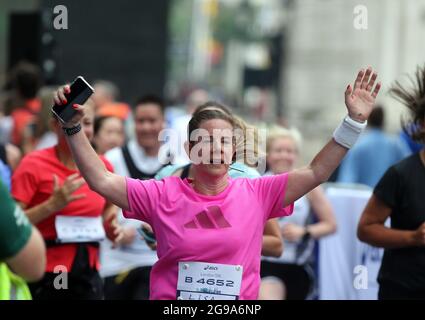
(118, 235)
(72, 183)
(74, 180)
(72, 177)
(365, 80)
(77, 196)
(152, 246)
(78, 107)
(348, 91)
(76, 185)
(61, 95)
(118, 239)
(147, 227)
(376, 91)
(358, 81)
(366, 77)
(117, 231)
(112, 220)
(371, 82)
(55, 182)
(56, 98)
(79, 182)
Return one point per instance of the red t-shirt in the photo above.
(32, 184)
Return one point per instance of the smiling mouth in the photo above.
(217, 162)
(216, 159)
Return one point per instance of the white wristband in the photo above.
(348, 132)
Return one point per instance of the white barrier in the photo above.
(342, 252)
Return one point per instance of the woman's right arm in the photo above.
(109, 185)
(372, 229)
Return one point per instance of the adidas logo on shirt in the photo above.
(211, 218)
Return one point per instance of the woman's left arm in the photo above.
(359, 101)
(323, 209)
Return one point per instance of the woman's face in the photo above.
(110, 135)
(282, 155)
(212, 149)
(148, 123)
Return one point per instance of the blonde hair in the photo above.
(249, 144)
(277, 132)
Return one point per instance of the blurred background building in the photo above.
(285, 61)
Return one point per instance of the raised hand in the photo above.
(60, 98)
(361, 99)
(63, 194)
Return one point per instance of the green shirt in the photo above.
(15, 229)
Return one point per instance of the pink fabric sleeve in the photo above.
(143, 198)
(271, 192)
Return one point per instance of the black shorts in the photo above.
(82, 282)
(389, 291)
(131, 286)
(297, 280)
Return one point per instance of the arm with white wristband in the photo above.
(359, 101)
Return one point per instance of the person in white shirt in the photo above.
(179, 125)
(126, 269)
(290, 276)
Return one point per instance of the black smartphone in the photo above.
(147, 235)
(81, 90)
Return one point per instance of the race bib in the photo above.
(79, 229)
(208, 281)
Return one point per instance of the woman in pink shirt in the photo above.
(209, 229)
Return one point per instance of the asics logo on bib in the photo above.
(210, 268)
(210, 218)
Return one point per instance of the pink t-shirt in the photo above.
(225, 229)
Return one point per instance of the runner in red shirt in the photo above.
(24, 80)
(69, 216)
(22, 117)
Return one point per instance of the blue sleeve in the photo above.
(403, 150)
(5, 174)
(167, 171)
(240, 170)
(348, 171)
